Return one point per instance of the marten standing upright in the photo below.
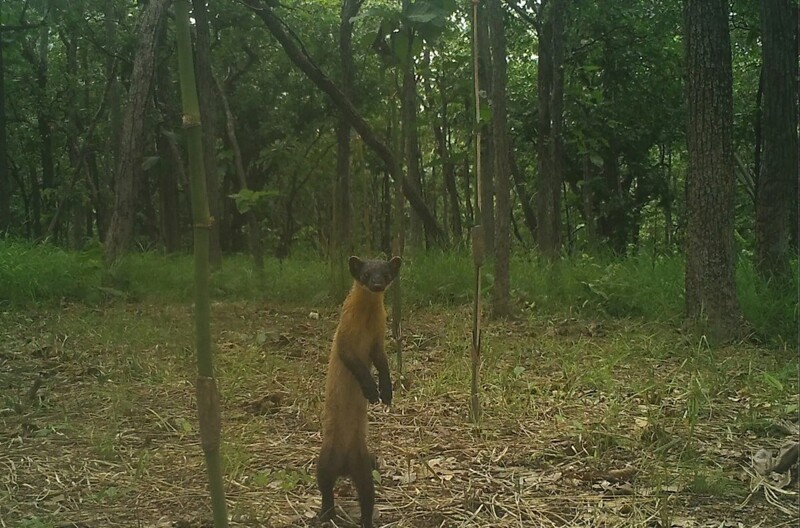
(357, 345)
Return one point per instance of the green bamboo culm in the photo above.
(208, 408)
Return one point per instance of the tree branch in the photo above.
(297, 54)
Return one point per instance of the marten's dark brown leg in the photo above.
(360, 469)
(328, 470)
(364, 378)
(381, 362)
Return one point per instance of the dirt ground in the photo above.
(585, 422)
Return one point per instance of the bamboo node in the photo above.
(208, 413)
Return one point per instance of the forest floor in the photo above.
(586, 422)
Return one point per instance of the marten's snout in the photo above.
(376, 286)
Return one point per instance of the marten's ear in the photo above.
(355, 264)
(394, 265)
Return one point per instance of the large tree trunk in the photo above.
(501, 291)
(129, 161)
(779, 171)
(710, 258)
(300, 59)
(208, 114)
(550, 87)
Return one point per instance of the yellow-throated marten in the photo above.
(357, 345)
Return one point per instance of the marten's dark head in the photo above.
(375, 275)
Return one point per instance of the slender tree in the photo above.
(208, 405)
(5, 178)
(253, 224)
(477, 232)
(341, 239)
(710, 258)
(550, 142)
(777, 180)
(501, 295)
(208, 111)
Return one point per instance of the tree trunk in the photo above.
(441, 132)
(550, 88)
(779, 162)
(110, 23)
(129, 162)
(588, 205)
(341, 233)
(208, 115)
(520, 186)
(710, 258)
(253, 225)
(410, 147)
(5, 175)
(169, 168)
(42, 117)
(300, 59)
(501, 290)
(487, 213)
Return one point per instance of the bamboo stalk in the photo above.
(208, 407)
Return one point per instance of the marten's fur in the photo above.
(357, 345)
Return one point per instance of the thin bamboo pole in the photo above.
(208, 407)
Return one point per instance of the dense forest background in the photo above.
(339, 127)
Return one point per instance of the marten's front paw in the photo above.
(371, 393)
(386, 394)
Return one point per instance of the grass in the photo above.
(642, 287)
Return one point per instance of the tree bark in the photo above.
(5, 175)
(341, 239)
(487, 212)
(411, 143)
(501, 290)
(129, 162)
(208, 115)
(441, 133)
(520, 186)
(550, 88)
(775, 191)
(300, 59)
(253, 225)
(710, 258)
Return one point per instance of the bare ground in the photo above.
(586, 422)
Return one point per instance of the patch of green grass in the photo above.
(35, 522)
(43, 273)
(770, 306)
(640, 286)
(716, 484)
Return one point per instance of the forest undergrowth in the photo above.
(599, 409)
